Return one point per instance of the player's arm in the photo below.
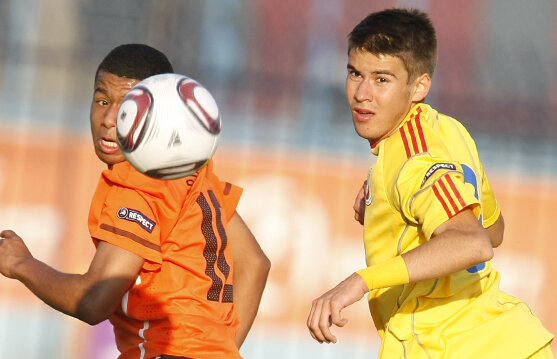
(457, 244)
(91, 297)
(251, 268)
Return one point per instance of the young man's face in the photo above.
(110, 90)
(378, 93)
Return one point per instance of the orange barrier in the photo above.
(299, 206)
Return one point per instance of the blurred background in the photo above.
(277, 70)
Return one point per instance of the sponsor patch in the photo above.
(137, 217)
(435, 167)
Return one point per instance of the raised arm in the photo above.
(251, 268)
(91, 297)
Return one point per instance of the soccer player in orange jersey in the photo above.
(431, 217)
(176, 270)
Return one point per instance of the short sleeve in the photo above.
(126, 220)
(490, 208)
(231, 195)
(429, 192)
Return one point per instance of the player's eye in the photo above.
(354, 74)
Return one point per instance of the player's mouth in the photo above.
(108, 146)
(362, 114)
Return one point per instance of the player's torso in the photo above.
(387, 233)
(185, 299)
(188, 301)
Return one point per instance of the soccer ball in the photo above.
(168, 126)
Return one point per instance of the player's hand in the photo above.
(360, 205)
(326, 310)
(12, 252)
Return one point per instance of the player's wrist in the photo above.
(361, 282)
(22, 268)
(389, 273)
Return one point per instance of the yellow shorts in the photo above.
(493, 325)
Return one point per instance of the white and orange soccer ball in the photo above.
(168, 126)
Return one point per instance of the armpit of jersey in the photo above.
(490, 208)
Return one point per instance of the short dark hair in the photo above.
(134, 61)
(404, 33)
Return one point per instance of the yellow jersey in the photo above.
(426, 172)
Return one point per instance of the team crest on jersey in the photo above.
(137, 217)
(367, 194)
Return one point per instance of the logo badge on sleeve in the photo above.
(137, 217)
(435, 168)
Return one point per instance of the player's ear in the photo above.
(422, 84)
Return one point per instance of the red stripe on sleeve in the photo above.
(441, 200)
(405, 141)
(448, 195)
(455, 191)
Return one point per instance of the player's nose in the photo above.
(110, 115)
(363, 92)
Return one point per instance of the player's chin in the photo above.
(363, 132)
(111, 158)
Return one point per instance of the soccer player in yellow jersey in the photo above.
(431, 218)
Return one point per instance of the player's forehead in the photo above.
(113, 85)
(371, 61)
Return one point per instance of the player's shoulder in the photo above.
(446, 123)
(413, 137)
(125, 177)
(419, 141)
(425, 130)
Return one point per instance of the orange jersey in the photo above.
(181, 303)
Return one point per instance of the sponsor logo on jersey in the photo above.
(435, 167)
(137, 217)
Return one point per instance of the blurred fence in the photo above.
(277, 70)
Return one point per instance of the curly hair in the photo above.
(134, 61)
